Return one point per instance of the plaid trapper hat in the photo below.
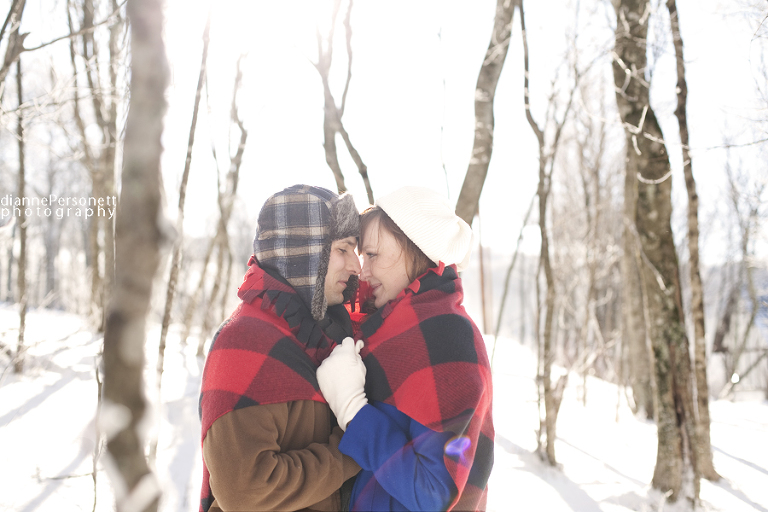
(294, 234)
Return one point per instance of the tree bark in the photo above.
(18, 365)
(676, 461)
(703, 446)
(485, 92)
(138, 238)
(634, 332)
(111, 148)
(15, 45)
(96, 168)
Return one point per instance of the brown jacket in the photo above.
(277, 457)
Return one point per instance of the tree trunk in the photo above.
(96, 168)
(676, 461)
(138, 238)
(15, 45)
(485, 91)
(523, 297)
(724, 324)
(703, 446)
(635, 334)
(590, 180)
(329, 138)
(111, 148)
(100, 163)
(18, 365)
(178, 243)
(547, 154)
(52, 239)
(9, 291)
(550, 405)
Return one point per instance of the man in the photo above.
(270, 441)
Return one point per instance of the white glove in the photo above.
(342, 380)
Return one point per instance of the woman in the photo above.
(415, 398)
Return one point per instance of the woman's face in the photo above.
(384, 265)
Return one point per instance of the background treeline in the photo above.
(605, 277)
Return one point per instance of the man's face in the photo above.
(342, 264)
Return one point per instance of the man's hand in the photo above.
(342, 380)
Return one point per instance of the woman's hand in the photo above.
(341, 377)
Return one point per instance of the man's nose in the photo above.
(353, 265)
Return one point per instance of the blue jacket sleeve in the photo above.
(405, 457)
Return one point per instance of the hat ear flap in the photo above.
(319, 301)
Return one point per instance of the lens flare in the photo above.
(457, 446)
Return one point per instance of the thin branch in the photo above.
(644, 257)
(536, 130)
(664, 178)
(509, 274)
(746, 144)
(86, 30)
(361, 167)
(348, 30)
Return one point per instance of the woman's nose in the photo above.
(365, 271)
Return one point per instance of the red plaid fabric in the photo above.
(267, 352)
(425, 356)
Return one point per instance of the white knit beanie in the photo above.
(429, 220)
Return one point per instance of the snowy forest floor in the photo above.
(607, 456)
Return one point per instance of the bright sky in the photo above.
(410, 105)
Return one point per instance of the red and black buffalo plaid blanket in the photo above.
(425, 356)
(267, 352)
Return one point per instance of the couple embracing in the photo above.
(319, 394)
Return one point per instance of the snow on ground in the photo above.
(47, 434)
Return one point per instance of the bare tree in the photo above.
(747, 200)
(636, 338)
(178, 243)
(226, 193)
(485, 92)
(746, 189)
(676, 459)
(589, 239)
(547, 152)
(21, 275)
(15, 45)
(703, 446)
(332, 123)
(138, 237)
(98, 158)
